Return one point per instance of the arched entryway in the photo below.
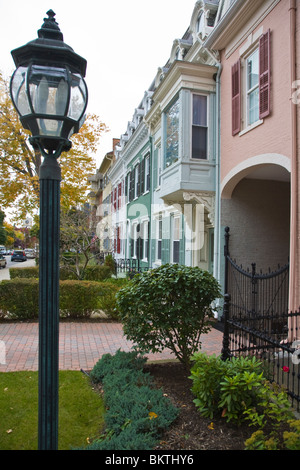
(255, 204)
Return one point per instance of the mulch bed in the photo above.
(191, 431)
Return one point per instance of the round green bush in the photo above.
(168, 307)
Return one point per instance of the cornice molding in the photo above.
(235, 19)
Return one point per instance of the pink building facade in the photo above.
(260, 133)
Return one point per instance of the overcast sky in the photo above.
(124, 43)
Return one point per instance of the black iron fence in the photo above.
(257, 321)
(130, 266)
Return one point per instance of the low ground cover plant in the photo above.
(137, 412)
(168, 307)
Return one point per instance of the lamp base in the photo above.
(50, 146)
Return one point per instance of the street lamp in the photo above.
(49, 93)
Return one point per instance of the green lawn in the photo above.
(81, 411)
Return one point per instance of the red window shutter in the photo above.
(115, 199)
(236, 97)
(112, 201)
(264, 75)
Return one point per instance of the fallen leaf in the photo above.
(9, 431)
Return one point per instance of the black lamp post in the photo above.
(49, 92)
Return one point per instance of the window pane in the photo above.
(199, 142)
(172, 134)
(253, 107)
(176, 252)
(200, 110)
(253, 70)
(159, 249)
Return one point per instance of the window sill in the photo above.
(252, 126)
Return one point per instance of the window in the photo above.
(256, 74)
(176, 239)
(127, 187)
(159, 167)
(199, 128)
(145, 240)
(159, 239)
(172, 134)
(119, 202)
(147, 174)
(252, 88)
(137, 181)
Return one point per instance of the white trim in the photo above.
(251, 126)
(241, 170)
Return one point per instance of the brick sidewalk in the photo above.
(81, 345)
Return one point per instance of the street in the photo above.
(4, 273)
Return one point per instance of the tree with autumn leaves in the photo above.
(20, 163)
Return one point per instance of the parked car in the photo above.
(19, 255)
(30, 253)
(2, 261)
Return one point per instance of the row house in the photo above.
(214, 143)
(259, 134)
(100, 199)
(165, 163)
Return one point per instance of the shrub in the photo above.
(91, 273)
(110, 263)
(108, 300)
(78, 299)
(285, 440)
(19, 298)
(237, 390)
(168, 307)
(24, 273)
(136, 411)
(121, 360)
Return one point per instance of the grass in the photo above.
(81, 411)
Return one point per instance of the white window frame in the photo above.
(207, 127)
(145, 236)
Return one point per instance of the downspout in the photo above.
(217, 236)
(294, 300)
(217, 224)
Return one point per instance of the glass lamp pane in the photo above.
(49, 127)
(18, 91)
(78, 98)
(49, 90)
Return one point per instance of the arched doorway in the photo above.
(255, 205)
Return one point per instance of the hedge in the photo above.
(91, 273)
(78, 299)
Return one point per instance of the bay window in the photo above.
(172, 134)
